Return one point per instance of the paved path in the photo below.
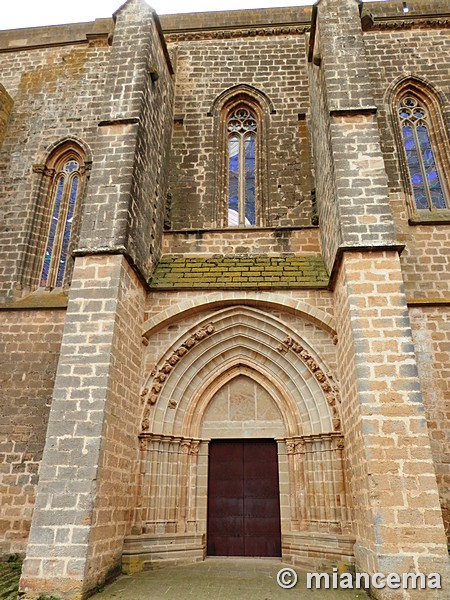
(218, 579)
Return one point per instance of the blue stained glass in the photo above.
(233, 181)
(53, 227)
(414, 168)
(250, 180)
(434, 184)
(426, 184)
(71, 166)
(67, 231)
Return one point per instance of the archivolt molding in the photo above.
(187, 36)
(330, 389)
(160, 375)
(268, 300)
(235, 336)
(430, 23)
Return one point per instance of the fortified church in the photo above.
(225, 292)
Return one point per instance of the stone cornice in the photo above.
(412, 23)
(226, 34)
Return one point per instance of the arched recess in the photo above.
(180, 382)
(425, 104)
(215, 300)
(52, 232)
(260, 106)
(225, 344)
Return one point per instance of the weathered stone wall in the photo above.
(392, 478)
(325, 183)
(274, 65)
(248, 241)
(421, 52)
(431, 334)
(6, 104)
(30, 348)
(57, 92)
(87, 486)
(127, 191)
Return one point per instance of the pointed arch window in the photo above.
(64, 195)
(424, 172)
(242, 131)
(424, 150)
(54, 223)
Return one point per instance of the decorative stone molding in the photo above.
(329, 388)
(236, 33)
(430, 23)
(151, 391)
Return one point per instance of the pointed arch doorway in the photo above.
(243, 498)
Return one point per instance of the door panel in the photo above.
(243, 499)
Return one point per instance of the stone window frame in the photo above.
(229, 100)
(439, 136)
(46, 175)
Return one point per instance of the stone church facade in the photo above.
(225, 291)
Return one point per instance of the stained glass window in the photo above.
(425, 179)
(242, 130)
(65, 191)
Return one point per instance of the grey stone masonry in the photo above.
(84, 503)
(352, 196)
(127, 189)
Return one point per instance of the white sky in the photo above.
(35, 13)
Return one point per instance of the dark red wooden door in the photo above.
(243, 499)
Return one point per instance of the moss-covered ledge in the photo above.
(38, 299)
(239, 271)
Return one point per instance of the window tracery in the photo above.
(424, 174)
(241, 161)
(424, 149)
(242, 130)
(65, 193)
(53, 228)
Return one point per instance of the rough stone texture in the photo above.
(354, 209)
(274, 65)
(85, 500)
(397, 516)
(6, 104)
(130, 170)
(248, 271)
(57, 91)
(431, 334)
(393, 55)
(334, 367)
(29, 349)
